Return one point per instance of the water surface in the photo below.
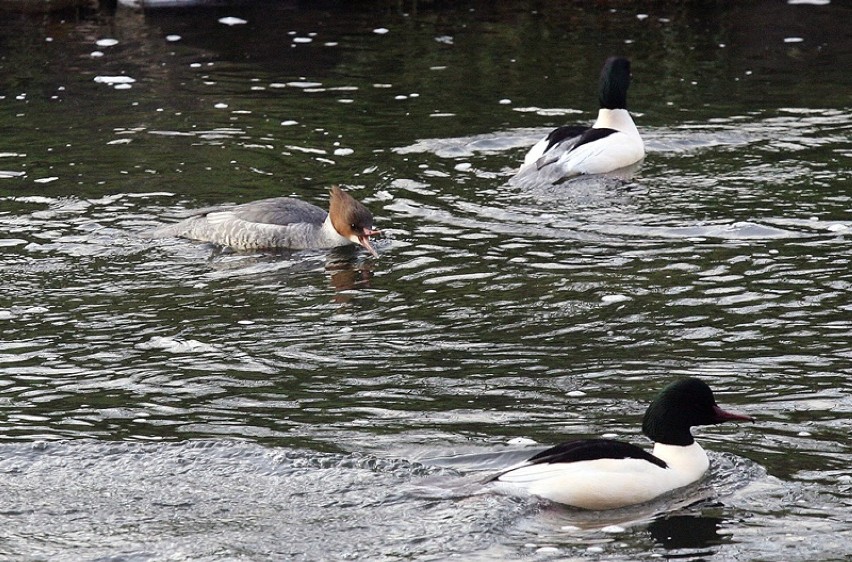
(164, 399)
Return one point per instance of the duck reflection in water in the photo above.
(348, 274)
(687, 531)
(347, 268)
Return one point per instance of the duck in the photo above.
(611, 144)
(602, 474)
(280, 223)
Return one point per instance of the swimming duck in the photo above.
(280, 223)
(607, 474)
(610, 144)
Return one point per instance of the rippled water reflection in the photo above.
(164, 398)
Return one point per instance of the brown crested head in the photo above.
(351, 219)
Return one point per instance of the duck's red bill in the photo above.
(723, 416)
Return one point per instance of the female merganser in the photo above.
(607, 474)
(611, 144)
(280, 223)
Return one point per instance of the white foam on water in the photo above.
(232, 21)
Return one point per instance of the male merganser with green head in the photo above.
(611, 144)
(606, 474)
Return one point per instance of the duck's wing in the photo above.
(543, 164)
(593, 449)
(559, 149)
(578, 451)
(276, 211)
(565, 135)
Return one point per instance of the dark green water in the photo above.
(162, 400)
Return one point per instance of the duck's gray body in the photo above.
(280, 222)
